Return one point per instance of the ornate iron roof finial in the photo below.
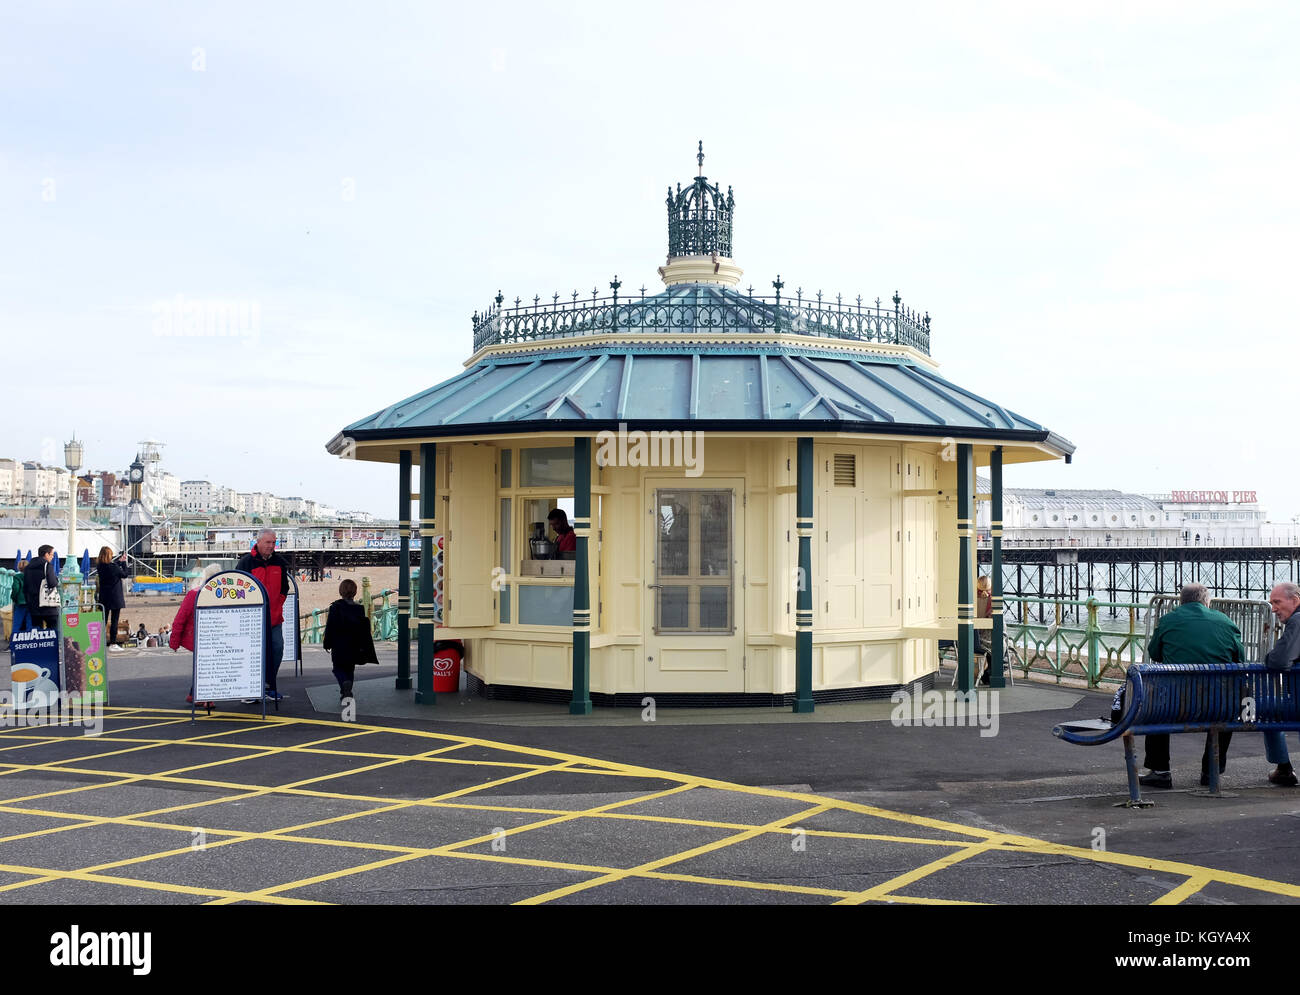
(499, 298)
(700, 217)
(897, 300)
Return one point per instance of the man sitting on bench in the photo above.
(1191, 633)
(1285, 601)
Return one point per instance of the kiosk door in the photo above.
(695, 633)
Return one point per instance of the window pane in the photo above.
(715, 607)
(674, 607)
(504, 532)
(545, 605)
(546, 467)
(715, 533)
(674, 554)
(505, 467)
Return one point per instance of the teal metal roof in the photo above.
(754, 386)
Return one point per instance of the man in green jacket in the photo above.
(1190, 634)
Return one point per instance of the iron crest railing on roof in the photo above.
(703, 308)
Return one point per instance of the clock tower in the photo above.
(139, 523)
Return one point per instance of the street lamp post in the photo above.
(72, 460)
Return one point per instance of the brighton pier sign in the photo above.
(1213, 497)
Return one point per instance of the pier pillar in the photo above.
(404, 571)
(965, 568)
(424, 607)
(803, 614)
(997, 674)
(580, 703)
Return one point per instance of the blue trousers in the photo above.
(275, 653)
(1275, 748)
(22, 618)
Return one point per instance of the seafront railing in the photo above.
(709, 311)
(1067, 641)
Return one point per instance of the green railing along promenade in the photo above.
(1067, 640)
(382, 610)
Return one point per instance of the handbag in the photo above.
(49, 596)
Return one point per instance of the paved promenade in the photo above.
(490, 802)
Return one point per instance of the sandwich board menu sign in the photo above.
(230, 630)
(290, 627)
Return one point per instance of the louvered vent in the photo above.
(845, 470)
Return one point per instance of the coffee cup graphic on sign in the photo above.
(24, 677)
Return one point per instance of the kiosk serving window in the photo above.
(533, 483)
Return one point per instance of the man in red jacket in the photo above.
(272, 569)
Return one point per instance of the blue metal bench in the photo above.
(1210, 698)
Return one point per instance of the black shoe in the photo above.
(1154, 780)
(1283, 778)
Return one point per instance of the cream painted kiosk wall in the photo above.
(709, 610)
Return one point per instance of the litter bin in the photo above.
(447, 654)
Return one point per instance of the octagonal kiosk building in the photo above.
(771, 496)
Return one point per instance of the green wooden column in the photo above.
(424, 608)
(965, 578)
(803, 611)
(580, 703)
(997, 673)
(404, 571)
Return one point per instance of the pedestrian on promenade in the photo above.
(182, 632)
(1190, 634)
(1285, 602)
(41, 589)
(111, 574)
(22, 620)
(984, 609)
(347, 637)
(273, 570)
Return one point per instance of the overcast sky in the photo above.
(1097, 204)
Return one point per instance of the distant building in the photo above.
(196, 495)
(1095, 517)
(10, 480)
(1066, 514)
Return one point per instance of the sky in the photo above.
(1096, 204)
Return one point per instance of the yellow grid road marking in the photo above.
(1185, 890)
(976, 840)
(915, 874)
(654, 865)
